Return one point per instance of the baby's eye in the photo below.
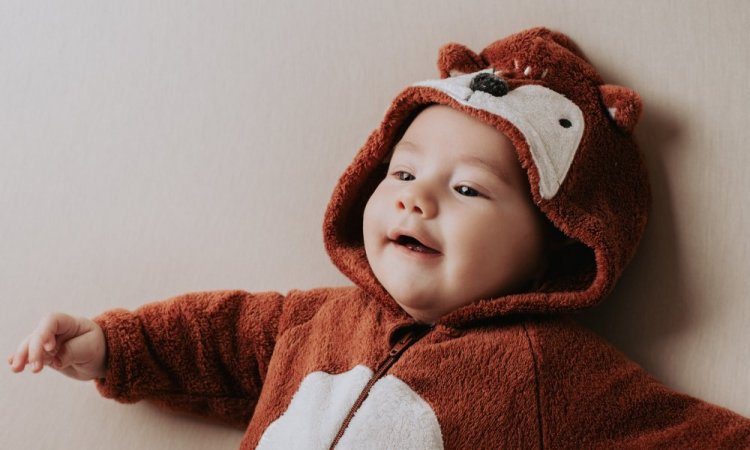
(467, 191)
(403, 175)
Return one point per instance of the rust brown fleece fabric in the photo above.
(507, 372)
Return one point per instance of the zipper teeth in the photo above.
(394, 353)
(361, 399)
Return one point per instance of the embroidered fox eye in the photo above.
(565, 123)
(467, 191)
(403, 175)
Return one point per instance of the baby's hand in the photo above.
(74, 346)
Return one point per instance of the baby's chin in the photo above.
(426, 309)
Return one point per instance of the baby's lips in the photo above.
(420, 236)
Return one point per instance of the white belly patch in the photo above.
(392, 415)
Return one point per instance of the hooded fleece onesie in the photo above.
(348, 368)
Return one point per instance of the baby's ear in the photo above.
(456, 59)
(624, 105)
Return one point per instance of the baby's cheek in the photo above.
(371, 228)
(368, 215)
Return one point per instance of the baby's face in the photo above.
(453, 220)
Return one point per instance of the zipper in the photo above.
(393, 355)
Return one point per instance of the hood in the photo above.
(573, 136)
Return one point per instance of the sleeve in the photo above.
(592, 396)
(204, 353)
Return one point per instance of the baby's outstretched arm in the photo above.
(74, 346)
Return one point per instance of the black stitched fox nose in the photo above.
(489, 83)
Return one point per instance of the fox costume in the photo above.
(348, 368)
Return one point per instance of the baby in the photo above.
(463, 261)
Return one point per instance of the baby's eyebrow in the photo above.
(498, 170)
(402, 147)
(407, 146)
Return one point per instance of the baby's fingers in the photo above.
(43, 341)
(36, 351)
(52, 325)
(18, 360)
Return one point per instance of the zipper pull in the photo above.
(402, 344)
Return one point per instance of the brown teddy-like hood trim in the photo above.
(587, 177)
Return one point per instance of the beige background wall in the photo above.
(151, 148)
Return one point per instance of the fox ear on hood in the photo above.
(624, 105)
(456, 59)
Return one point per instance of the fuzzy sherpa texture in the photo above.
(507, 372)
(281, 366)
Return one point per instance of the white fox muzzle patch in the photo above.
(551, 124)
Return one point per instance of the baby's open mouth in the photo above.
(414, 245)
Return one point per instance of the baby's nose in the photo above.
(489, 83)
(415, 202)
